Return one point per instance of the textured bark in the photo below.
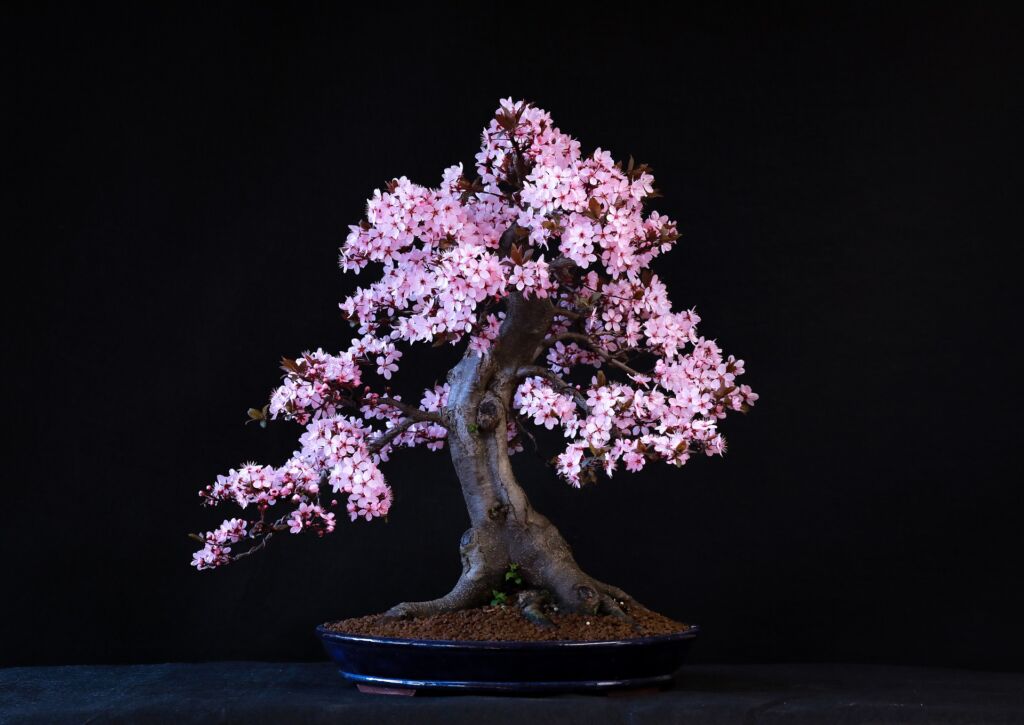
(505, 528)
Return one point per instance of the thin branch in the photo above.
(254, 548)
(593, 346)
(410, 411)
(521, 430)
(275, 527)
(390, 434)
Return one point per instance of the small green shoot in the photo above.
(513, 575)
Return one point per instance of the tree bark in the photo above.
(505, 528)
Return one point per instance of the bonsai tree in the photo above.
(539, 266)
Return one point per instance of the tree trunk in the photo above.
(505, 528)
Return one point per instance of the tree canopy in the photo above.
(628, 380)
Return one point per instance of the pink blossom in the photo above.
(585, 241)
(537, 400)
(532, 278)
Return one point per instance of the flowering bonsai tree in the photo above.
(540, 266)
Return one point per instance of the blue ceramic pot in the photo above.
(417, 664)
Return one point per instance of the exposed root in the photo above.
(467, 593)
(588, 597)
(473, 589)
(575, 591)
(622, 598)
(553, 580)
(531, 602)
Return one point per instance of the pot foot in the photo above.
(377, 690)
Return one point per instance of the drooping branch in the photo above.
(261, 536)
(258, 546)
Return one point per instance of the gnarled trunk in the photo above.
(505, 528)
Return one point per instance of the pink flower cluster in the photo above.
(538, 401)
(531, 278)
(216, 550)
(663, 416)
(311, 516)
(442, 266)
(316, 384)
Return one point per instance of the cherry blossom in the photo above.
(539, 221)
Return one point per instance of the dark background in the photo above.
(847, 184)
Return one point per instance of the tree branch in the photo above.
(579, 337)
(410, 411)
(390, 434)
(265, 536)
(254, 548)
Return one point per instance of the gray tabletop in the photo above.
(255, 692)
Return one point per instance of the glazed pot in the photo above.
(380, 663)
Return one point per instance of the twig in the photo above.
(593, 346)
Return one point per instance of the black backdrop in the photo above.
(846, 183)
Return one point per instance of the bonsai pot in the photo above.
(403, 666)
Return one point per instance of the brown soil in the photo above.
(507, 624)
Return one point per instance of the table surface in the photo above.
(259, 692)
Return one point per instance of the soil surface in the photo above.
(507, 624)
